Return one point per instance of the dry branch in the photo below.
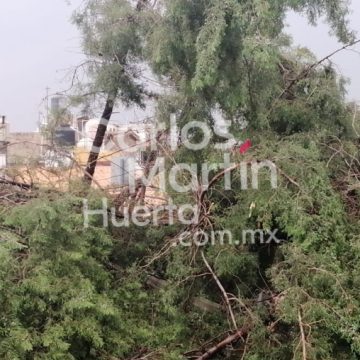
(240, 334)
(226, 298)
(303, 337)
(15, 183)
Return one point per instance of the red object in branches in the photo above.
(245, 146)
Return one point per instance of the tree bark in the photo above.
(99, 138)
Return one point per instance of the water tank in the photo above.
(65, 136)
(57, 103)
(3, 129)
(85, 143)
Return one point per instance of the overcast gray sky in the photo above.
(318, 40)
(38, 43)
(39, 46)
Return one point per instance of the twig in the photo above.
(226, 298)
(15, 183)
(216, 178)
(288, 177)
(303, 337)
(221, 345)
(304, 74)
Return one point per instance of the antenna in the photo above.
(47, 104)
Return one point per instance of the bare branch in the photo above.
(226, 298)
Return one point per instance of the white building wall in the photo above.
(2, 161)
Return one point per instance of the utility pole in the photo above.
(47, 105)
(44, 122)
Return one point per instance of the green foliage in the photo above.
(71, 292)
(111, 42)
(227, 52)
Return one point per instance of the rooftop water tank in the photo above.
(85, 143)
(3, 129)
(57, 103)
(65, 135)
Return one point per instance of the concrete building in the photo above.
(121, 143)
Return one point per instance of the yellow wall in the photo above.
(81, 156)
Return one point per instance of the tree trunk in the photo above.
(101, 130)
(99, 138)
